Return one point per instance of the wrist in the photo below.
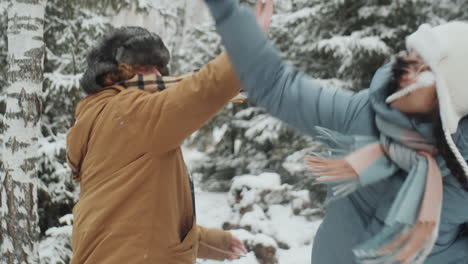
(220, 9)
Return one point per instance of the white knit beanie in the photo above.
(444, 48)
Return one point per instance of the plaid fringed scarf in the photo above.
(411, 225)
(153, 83)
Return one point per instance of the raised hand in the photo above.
(264, 13)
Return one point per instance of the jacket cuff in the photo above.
(214, 243)
(220, 9)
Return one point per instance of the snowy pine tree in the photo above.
(326, 39)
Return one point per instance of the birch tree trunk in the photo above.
(19, 232)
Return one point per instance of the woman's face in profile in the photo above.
(422, 100)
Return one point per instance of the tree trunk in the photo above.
(19, 231)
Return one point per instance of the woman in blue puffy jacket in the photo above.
(397, 175)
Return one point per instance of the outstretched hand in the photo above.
(264, 13)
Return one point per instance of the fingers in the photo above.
(330, 170)
(329, 167)
(235, 242)
(259, 8)
(237, 249)
(239, 245)
(264, 12)
(239, 101)
(323, 179)
(265, 7)
(269, 8)
(345, 172)
(320, 160)
(241, 249)
(319, 163)
(337, 166)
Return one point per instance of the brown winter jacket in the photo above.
(135, 202)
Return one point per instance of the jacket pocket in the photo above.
(188, 244)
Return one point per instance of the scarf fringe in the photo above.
(338, 143)
(396, 244)
(404, 239)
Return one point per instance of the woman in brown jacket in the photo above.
(136, 202)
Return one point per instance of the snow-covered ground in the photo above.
(213, 209)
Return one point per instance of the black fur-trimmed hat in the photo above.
(130, 45)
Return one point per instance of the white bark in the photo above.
(19, 230)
